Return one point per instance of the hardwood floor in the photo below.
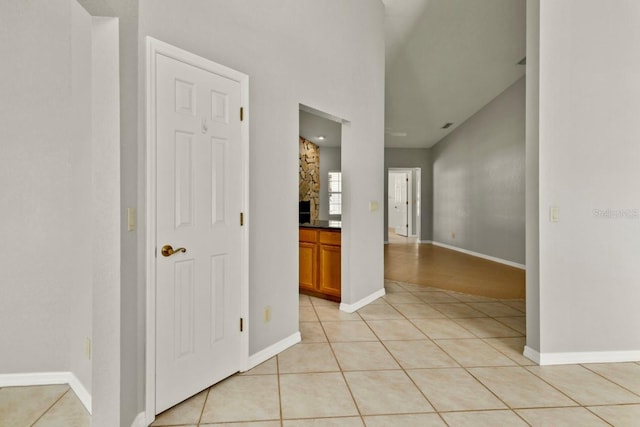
(429, 265)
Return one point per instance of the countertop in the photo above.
(332, 225)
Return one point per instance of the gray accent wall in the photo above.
(479, 181)
(407, 158)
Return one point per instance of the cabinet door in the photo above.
(308, 254)
(330, 271)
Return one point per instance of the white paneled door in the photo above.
(401, 203)
(199, 198)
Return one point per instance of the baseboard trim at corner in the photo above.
(350, 308)
(479, 255)
(138, 421)
(272, 350)
(531, 354)
(79, 389)
(589, 357)
(49, 378)
(425, 242)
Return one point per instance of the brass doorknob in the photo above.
(167, 250)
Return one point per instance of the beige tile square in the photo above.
(313, 357)
(458, 310)
(512, 348)
(619, 415)
(243, 398)
(495, 309)
(518, 304)
(519, 388)
(395, 329)
(405, 420)
(317, 302)
(483, 419)
(312, 332)
(414, 287)
(307, 314)
(471, 298)
(379, 312)
(626, 375)
(67, 412)
(348, 331)
(442, 328)
(584, 386)
(386, 392)
(315, 396)
(393, 287)
(401, 298)
(304, 299)
(325, 422)
(419, 354)
(560, 417)
(187, 412)
(364, 356)
(435, 297)
(474, 352)
(419, 311)
(22, 406)
(269, 367)
(488, 328)
(330, 313)
(516, 323)
(249, 424)
(453, 389)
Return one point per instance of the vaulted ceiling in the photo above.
(445, 60)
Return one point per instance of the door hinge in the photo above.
(241, 324)
(241, 219)
(241, 113)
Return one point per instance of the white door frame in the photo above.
(414, 186)
(155, 47)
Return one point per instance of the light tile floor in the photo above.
(417, 357)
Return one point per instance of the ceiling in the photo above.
(445, 60)
(313, 125)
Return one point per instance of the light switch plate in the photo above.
(373, 206)
(554, 214)
(131, 219)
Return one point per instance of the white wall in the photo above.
(59, 197)
(532, 176)
(36, 200)
(479, 180)
(589, 156)
(329, 161)
(105, 122)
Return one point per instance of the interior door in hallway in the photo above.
(198, 231)
(400, 202)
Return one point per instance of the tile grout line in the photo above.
(51, 406)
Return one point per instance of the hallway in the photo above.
(430, 265)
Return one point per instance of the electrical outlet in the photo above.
(87, 348)
(267, 314)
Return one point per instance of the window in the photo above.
(335, 193)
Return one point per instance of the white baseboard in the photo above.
(272, 350)
(350, 308)
(583, 357)
(479, 255)
(386, 242)
(425, 242)
(49, 378)
(531, 354)
(138, 421)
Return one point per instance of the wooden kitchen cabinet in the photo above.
(320, 262)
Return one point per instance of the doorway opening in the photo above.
(404, 213)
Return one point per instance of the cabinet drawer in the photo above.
(331, 238)
(307, 235)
